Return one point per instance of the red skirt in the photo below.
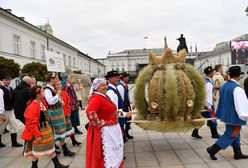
(94, 151)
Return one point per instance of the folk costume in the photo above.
(37, 125)
(67, 113)
(124, 92)
(75, 118)
(55, 113)
(232, 110)
(209, 109)
(56, 117)
(104, 143)
(115, 96)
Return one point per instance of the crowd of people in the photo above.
(50, 115)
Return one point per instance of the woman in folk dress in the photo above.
(39, 140)
(67, 113)
(104, 143)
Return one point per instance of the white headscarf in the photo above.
(95, 84)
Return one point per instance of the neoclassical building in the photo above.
(132, 60)
(25, 43)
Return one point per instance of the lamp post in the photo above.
(203, 64)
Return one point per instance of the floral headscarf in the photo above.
(95, 84)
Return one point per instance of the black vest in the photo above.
(55, 106)
(7, 98)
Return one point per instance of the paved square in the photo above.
(148, 149)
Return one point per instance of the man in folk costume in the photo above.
(7, 115)
(218, 81)
(232, 110)
(209, 109)
(55, 113)
(123, 89)
(113, 93)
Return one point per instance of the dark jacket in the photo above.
(21, 96)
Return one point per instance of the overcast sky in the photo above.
(98, 26)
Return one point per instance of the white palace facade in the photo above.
(25, 43)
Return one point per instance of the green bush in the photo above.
(36, 69)
(9, 67)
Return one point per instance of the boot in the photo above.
(195, 134)
(74, 141)
(238, 154)
(57, 149)
(77, 130)
(1, 144)
(213, 150)
(214, 132)
(14, 141)
(66, 151)
(57, 164)
(35, 164)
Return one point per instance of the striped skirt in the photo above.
(42, 148)
(57, 120)
(69, 130)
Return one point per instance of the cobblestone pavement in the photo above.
(149, 149)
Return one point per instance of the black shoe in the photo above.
(129, 136)
(74, 141)
(78, 132)
(238, 154)
(1, 144)
(214, 132)
(66, 151)
(213, 150)
(195, 134)
(57, 164)
(35, 164)
(14, 141)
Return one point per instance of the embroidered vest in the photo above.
(226, 107)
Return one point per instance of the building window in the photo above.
(43, 48)
(81, 65)
(17, 44)
(58, 52)
(69, 61)
(74, 62)
(51, 49)
(64, 56)
(32, 49)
